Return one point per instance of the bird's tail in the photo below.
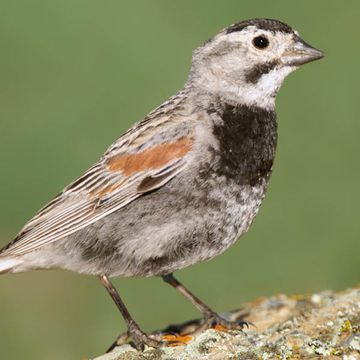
(8, 264)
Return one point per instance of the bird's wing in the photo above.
(137, 163)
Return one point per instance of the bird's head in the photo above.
(248, 61)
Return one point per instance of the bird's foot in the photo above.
(138, 339)
(215, 321)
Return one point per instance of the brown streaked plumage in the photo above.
(181, 185)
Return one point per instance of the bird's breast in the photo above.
(246, 139)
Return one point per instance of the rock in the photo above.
(318, 326)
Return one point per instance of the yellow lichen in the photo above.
(346, 327)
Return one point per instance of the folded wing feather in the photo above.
(109, 185)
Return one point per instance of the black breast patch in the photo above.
(247, 140)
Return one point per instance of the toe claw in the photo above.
(218, 323)
(137, 339)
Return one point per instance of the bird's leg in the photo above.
(211, 318)
(138, 337)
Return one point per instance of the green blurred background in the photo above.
(75, 74)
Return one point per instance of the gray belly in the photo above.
(166, 230)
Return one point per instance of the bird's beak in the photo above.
(300, 53)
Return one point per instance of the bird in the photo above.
(181, 185)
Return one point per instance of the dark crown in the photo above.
(264, 24)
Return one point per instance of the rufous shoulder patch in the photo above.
(152, 158)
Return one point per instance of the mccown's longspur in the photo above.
(182, 184)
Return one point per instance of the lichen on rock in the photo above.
(318, 326)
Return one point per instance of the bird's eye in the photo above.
(261, 42)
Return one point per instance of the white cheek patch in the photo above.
(270, 83)
(263, 92)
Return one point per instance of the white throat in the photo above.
(263, 92)
(260, 94)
